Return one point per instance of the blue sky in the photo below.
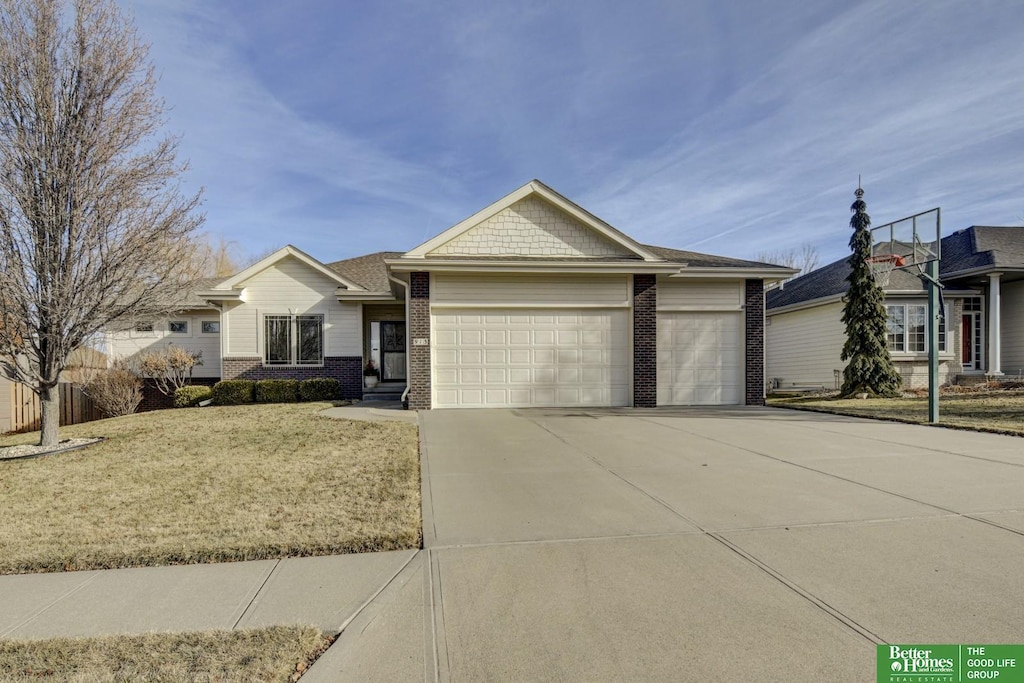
(724, 127)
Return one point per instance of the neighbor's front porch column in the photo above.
(994, 362)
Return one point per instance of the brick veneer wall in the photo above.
(754, 308)
(346, 369)
(419, 328)
(152, 399)
(645, 341)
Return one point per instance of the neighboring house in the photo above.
(533, 301)
(982, 270)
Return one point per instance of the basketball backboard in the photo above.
(915, 240)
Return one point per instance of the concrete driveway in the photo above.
(695, 544)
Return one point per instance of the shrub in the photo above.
(170, 368)
(319, 389)
(116, 390)
(277, 391)
(190, 396)
(232, 392)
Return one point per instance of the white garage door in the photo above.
(523, 358)
(700, 358)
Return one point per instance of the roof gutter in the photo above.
(660, 268)
(902, 293)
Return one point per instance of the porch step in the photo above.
(384, 392)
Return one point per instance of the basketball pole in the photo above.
(932, 271)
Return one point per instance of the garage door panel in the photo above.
(700, 358)
(519, 375)
(532, 358)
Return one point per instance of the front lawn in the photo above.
(211, 485)
(278, 653)
(1001, 411)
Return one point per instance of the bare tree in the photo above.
(806, 257)
(95, 230)
(219, 258)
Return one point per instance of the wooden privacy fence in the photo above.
(26, 415)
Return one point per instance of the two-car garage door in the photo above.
(521, 358)
(515, 341)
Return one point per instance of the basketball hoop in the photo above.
(882, 265)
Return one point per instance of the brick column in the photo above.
(645, 344)
(754, 307)
(419, 328)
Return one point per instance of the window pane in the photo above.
(916, 318)
(942, 333)
(178, 326)
(278, 339)
(311, 339)
(211, 327)
(895, 328)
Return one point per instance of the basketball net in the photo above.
(882, 265)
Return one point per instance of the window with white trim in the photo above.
(293, 340)
(177, 327)
(906, 329)
(211, 327)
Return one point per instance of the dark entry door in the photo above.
(392, 349)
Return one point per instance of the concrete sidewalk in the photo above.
(321, 591)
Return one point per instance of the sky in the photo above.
(730, 128)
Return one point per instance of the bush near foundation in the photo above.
(233, 392)
(319, 389)
(277, 391)
(190, 396)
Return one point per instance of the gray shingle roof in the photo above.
(194, 301)
(974, 247)
(699, 260)
(981, 247)
(368, 271)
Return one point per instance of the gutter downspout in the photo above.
(408, 361)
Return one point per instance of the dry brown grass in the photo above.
(268, 654)
(210, 485)
(999, 411)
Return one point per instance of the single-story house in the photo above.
(532, 301)
(981, 335)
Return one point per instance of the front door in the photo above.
(392, 350)
(970, 340)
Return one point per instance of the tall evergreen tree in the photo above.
(870, 368)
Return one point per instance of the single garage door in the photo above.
(700, 358)
(522, 358)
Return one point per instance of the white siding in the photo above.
(5, 405)
(803, 347)
(291, 288)
(502, 290)
(679, 295)
(126, 344)
(1012, 327)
